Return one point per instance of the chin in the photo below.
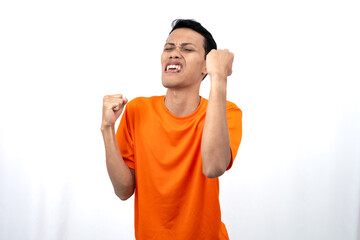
(170, 82)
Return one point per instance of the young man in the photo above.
(171, 149)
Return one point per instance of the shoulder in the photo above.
(141, 108)
(230, 106)
(141, 101)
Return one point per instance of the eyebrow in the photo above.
(182, 45)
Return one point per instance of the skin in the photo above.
(186, 47)
(182, 96)
(121, 176)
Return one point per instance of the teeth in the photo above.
(177, 67)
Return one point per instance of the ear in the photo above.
(204, 71)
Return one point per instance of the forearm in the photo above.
(215, 143)
(122, 178)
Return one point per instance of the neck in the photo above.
(181, 103)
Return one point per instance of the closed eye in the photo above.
(183, 49)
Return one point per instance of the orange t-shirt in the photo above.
(173, 198)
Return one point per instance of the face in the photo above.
(183, 62)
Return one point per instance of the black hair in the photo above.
(209, 42)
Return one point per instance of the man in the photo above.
(171, 149)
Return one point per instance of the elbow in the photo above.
(124, 195)
(212, 166)
(215, 163)
(123, 198)
(212, 172)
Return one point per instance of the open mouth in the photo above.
(173, 67)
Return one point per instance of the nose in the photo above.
(175, 54)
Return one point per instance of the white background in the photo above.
(295, 76)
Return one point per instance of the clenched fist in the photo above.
(113, 106)
(219, 63)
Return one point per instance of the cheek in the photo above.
(199, 63)
(164, 56)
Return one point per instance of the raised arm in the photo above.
(121, 176)
(215, 143)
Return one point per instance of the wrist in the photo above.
(217, 77)
(218, 84)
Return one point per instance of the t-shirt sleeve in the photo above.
(124, 137)
(234, 117)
